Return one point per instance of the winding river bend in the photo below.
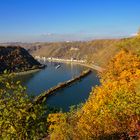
(42, 80)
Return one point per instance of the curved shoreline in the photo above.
(94, 67)
(27, 72)
(24, 72)
(40, 98)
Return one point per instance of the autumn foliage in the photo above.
(19, 119)
(112, 110)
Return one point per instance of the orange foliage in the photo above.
(113, 107)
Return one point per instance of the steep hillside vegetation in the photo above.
(15, 59)
(112, 111)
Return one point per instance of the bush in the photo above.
(112, 110)
(19, 119)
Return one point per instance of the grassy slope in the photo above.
(97, 51)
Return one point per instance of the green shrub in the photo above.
(18, 120)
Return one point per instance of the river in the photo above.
(38, 82)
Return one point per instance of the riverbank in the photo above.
(27, 71)
(93, 67)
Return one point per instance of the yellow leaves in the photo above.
(137, 76)
(110, 106)
(123, 66)
(116, 97)
(55, 119)
(12, 129)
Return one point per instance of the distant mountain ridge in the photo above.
(97, 52)
(16, 59)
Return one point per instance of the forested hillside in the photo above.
(16, 59)
(112, 110)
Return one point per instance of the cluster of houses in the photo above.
(65, 60)
(44, 59)
(40, 59)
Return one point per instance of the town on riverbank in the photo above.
(72, 60)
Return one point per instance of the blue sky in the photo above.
(59, 20)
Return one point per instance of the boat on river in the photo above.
(58, 66)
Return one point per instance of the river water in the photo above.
(75, 94)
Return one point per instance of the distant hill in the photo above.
(16, 59)
(96, 51)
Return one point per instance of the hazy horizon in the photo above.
(60, 38)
